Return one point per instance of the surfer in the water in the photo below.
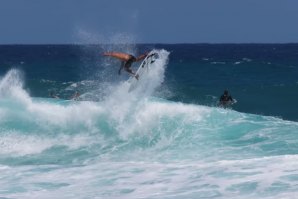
(226, 99)
(126, 61)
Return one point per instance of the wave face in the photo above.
(134, 145)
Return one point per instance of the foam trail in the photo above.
(123, 103)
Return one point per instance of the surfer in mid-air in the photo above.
(126, 61)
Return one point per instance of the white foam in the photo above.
(196, 151)
(11, 86)
(222, 179)
(31, 126)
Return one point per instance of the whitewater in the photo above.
(137, 145)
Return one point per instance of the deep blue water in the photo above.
(165, 139)
(262, 77)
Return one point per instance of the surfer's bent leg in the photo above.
(129, 70)
(127, 66)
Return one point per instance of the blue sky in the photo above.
(148, 21)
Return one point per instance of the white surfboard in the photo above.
(143, 68)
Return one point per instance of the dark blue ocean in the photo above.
(168, 138)
(262, 77)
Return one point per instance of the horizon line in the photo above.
(157, 43)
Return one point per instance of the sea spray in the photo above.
(55, 119)
(123, 104)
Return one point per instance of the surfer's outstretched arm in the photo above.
(141, 57)
(118, 55)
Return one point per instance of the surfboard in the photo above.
(143, 68)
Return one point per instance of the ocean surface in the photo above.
(166, 139)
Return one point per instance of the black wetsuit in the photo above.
(129, 61)
(226, 99)
(127, 64)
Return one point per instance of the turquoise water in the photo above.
(138, 145)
